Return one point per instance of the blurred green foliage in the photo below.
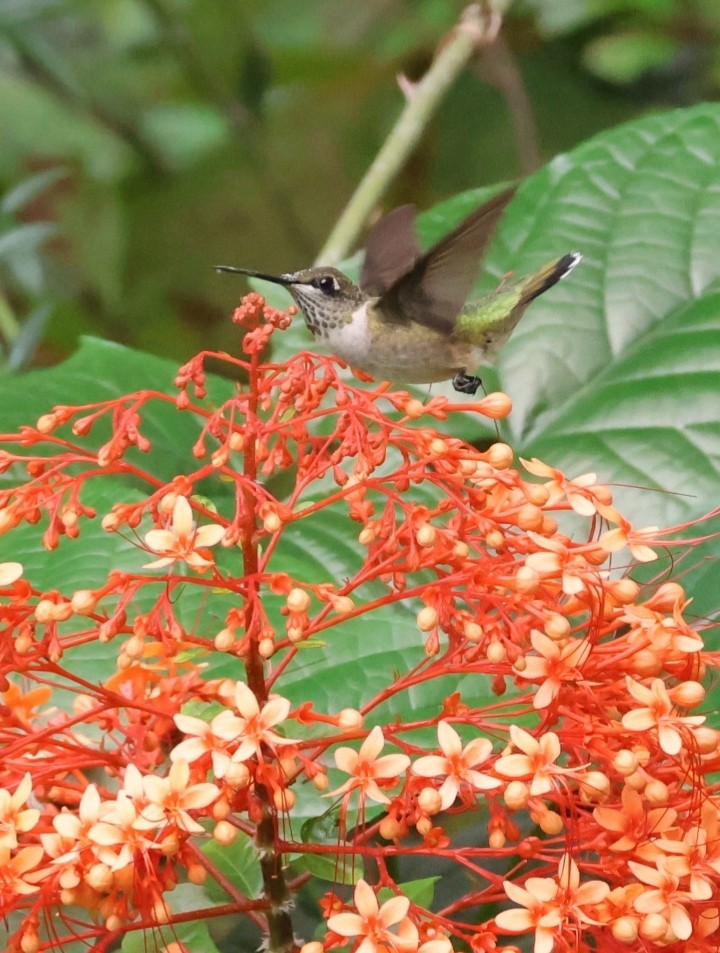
(190, 132)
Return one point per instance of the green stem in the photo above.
(474, 28)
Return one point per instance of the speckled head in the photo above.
(326, 296)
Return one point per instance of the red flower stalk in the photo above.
(591, 770)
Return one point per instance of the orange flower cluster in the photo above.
(515, 679)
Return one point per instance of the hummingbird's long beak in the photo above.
(276, 279)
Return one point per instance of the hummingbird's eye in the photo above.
(327, 284)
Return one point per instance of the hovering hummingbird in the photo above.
(408, 318)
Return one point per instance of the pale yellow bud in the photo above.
(706, 739)
(594, 786)
(349, 719)
(225, 833)
(196, 874)
(625, 762)
(500, 456)
(496, 405)
(343, 605)
(161, 911)
(298, 601)
(426, 535)
(472, 631)
(414, 408)
(495, 539)
(461, 550)
(389, 828)
(83, 602)
(516, 795)
(496, 652)
(271, 522)
(653, 926)
(266, 647)
(687, 694)
(237, 775)
(526, 579)
(537, 493)
(427, 618)
(429, 800)
(224, 640)
(313, 946)
(625, 929)
(497, 840)
(47, 423)
(657, 792)
(624, 591)
(438, 447)
(556, 626)
(320, 781)
(284, 799)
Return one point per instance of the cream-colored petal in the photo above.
(431, 766)
(106, 835)
(514, 921)
(161, 540)
(346, 759)
(371, 790)
(200, 795)
(448, 792)
(523, 740)
(209, 535)
(275, 711)
(640, 719)
(449, 739)
(160, 563)
(189, 750)
(178, 776)
(372, 745)
(514, 766)
(482, 782)
(245, 701)
(391, 765)
(670, 740)
(393, 911)
(546, 693)
(9, 573)
(365, 899)
(477, 751)
(182, 520)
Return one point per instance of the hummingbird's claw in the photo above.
(465, 383)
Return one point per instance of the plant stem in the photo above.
(474, 28)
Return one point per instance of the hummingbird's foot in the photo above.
(465, 383)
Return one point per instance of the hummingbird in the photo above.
(408, 319)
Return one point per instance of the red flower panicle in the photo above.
(593, 771)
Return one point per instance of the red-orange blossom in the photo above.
(590, 767)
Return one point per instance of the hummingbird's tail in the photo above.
(548, 276)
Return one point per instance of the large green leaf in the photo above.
(617, 369)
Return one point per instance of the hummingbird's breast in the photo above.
(397, 350)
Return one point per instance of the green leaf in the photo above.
(193, 934)
(340, 868)
(420, 892)
(617, 370)
(239, 862)
(184, 132)
(344, 868)
(624, 58)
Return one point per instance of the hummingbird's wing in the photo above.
(434, 290)
(390, 251)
